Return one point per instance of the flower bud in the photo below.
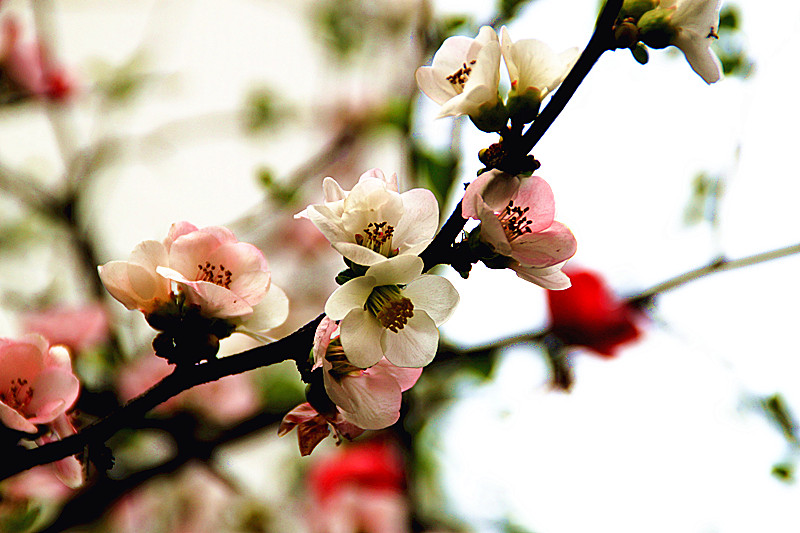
(491, 118)
(523, 108)
(636, 8)
(655, 28)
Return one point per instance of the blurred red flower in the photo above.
(589, 314)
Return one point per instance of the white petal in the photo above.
(270, 312)
(420, 218)
(352, 294)
(398, 270)
(360, 333)
(358, 254)
(413, 346)
(433, 294)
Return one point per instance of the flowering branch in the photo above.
(294, 346)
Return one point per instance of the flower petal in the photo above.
(361, 333)
(270, 312)
(351, 295)
(413, 346)
(545, 248)
(433, 294)
(397, 270)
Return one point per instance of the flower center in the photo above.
(377, 236)
(390, 307)
(218, 275)
(18, 395)
(514, 220)
(459, 78)
(340, 366)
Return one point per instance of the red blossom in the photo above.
(589, 314)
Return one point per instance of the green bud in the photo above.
(523, 108)
(491, 119)
(640, 53)
(636, 8)
(655, 29)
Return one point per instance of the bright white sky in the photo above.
(663, 439)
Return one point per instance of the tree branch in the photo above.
(294, 346)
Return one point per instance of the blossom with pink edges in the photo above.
(313, 427)
(369, 398)
(464, 75)
(373, 221)
(36, 383)
(212, 272)
(517, 221)
(225, 278)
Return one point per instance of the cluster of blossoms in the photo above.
(464, 77)
(196, 287)
(382, 324)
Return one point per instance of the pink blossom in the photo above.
(27, 65)
(36, 383)
(517, 221)
(369, 398)
(78, 328)
(224, 277)
(213, 273)
(313, 427)
(360, 489)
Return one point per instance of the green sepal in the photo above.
(640, 53)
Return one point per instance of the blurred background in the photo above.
(231, 113)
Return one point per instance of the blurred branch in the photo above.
(294, 346)
(449, 352)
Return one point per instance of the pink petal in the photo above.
(546, 248)
(53, 386)
(11, 418)
(370, 401)
(535, 194)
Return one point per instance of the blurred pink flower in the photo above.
(27, 66)
(225, 401)
(360, 488)
(369, 398)
(36, 382)
(517, 221)
(78, 328)
(313, 427)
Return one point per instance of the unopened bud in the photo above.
(491, 119)
(655, 28)
(636, 8)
